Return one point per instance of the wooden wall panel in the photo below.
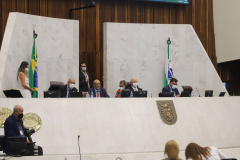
(199, 13)
(229, 72)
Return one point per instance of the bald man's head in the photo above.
(96, 84)
(133, 80)
(71, 83)
(18, 111)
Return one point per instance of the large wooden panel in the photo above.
(229, 73)
(199, 13)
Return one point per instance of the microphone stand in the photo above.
(79, 147)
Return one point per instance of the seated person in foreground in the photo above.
(122, 85)
(196, 152)
(171, 150)
(97, 91)
(134, 85)
(13, 126)
(63, 91)
(172, 87)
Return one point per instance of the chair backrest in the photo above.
(128, 84)
(54, 85)
(187, 88)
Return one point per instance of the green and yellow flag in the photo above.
(33, 71)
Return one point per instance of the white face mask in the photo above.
(121, 88)
(135, 85)
(26, 69)
(174, 86)
(84, 69)
(71, 85)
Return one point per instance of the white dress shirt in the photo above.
(215, 154)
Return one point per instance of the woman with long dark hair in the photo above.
(23, 80)
(196, 152)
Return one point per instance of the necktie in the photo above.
(97, 93)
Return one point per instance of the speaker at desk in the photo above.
(140, 94)
(208, 93)
(50, 94)
(166, 94)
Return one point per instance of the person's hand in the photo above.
(178, 95)
(87, 80)
(31, 90)
(28, 140)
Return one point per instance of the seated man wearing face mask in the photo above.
(172, 87)
(69, 87)
(97, 91)
(134, 85)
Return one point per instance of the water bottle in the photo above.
(87, 95)
(131, 95)
(192, 94)
(92, 94)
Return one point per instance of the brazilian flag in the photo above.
(33, 71)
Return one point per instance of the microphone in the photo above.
(198, 92)
(79, 147)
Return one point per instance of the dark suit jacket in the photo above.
(62, 91)
(168, 89)
(83, 85)
(131, 89)
(103, 92)
(11, 129)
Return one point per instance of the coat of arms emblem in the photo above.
(167, 111)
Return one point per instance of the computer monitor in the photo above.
(140, 94)
(125, 93)
(75, 94)
(208, 93)
(51, 94)
(222, 94)
(17, 145)
(166, 94)
(185, 94)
